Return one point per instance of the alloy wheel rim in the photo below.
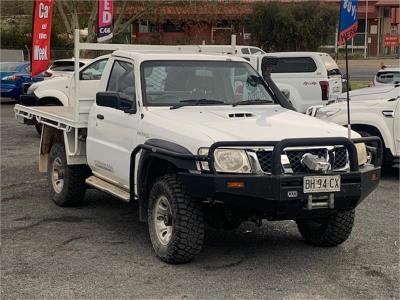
(163, 220)
(57, 175)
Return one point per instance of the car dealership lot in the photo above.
(101, 249)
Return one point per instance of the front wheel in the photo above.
(327, 231)
(175, 221)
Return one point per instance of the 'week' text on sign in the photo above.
(41, 32)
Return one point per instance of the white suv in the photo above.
(387, 75)
(309, 78)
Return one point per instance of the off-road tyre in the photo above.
(328, 231)
(73, 188)
(186, 221)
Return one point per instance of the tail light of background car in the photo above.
(324, 89)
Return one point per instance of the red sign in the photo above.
(390, 41)
(104, 20)
(41, 32)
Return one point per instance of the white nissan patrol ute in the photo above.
(198, 138)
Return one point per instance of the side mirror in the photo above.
(108, 99)
(117, 101)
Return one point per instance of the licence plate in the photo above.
(321, 184)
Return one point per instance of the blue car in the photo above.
(13, 76)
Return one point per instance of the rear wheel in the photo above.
(66, 182)
(327, 231)
(175, 221)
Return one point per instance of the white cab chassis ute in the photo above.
(175, 133)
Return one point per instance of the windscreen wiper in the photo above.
(251, 102)
(202, 101)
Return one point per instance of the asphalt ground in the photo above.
(100, 250)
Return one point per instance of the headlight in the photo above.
(361, 153)
(228, 160)
(325, 113)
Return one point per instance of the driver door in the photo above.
(112, 131)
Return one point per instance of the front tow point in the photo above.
(325, 201)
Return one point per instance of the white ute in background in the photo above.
(388, 75)
(373, 111)
(59, 91)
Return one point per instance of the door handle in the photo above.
(99, 116)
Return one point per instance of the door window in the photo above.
(256, 51)
(94, 70)
(122, 81)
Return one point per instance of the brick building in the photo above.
(212, 22)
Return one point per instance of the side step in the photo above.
(108, 187)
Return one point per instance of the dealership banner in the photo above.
(104, 20)
(348, 20)
(41, 32)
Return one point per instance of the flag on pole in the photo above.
(348, 20)
(348, 25)
(104, 20)
(41, 33)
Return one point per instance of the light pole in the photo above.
(366, 30)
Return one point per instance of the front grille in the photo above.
(265, 160)
(339, 158)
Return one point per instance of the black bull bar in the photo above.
(278, 147)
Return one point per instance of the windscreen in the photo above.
(228, 82)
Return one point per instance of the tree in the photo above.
(83, 14)
(303, 26)
(16, 26)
